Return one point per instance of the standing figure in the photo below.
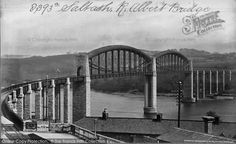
(105, 114)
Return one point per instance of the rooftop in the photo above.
(182, 135)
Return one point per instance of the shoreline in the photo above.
(133, 93)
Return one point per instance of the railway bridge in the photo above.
(67, 99)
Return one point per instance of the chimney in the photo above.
(208, 120)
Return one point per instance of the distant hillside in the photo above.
(194, 52)
(15, 56)
(207, 59)
(26, 69)
(17, 70)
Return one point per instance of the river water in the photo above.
(131, 105)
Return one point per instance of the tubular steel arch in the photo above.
(117, 60)
(171, 60)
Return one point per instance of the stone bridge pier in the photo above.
(150, 90)
(188, 85)
(82, 90)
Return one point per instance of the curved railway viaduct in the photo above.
(67, 99)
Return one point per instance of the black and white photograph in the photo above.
(118, 71)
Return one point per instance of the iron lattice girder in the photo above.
(117, 59)
(118, 47)
(45, 82)
(172, 61)
(124, 59)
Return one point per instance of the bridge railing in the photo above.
(88, 135)
(57, 80)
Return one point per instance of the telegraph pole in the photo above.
(95, 129)
(47, 97)
(180, 95)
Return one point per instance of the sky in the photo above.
(24, 32)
